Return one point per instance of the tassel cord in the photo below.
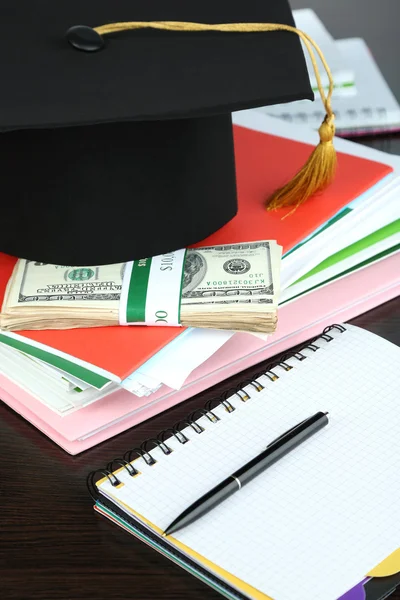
(309, 43)
(319, 170)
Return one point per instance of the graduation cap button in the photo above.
(84, 38)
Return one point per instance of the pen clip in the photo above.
(290, 431)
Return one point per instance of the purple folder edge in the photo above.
(357, 592)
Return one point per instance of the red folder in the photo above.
(263, 163)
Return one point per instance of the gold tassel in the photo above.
(319, 170)
(317, 173)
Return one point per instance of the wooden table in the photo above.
(52, 545)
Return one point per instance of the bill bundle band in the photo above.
(151, 290)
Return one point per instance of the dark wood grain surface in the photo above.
(52, 545)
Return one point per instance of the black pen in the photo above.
(274, 451)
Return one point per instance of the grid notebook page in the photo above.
(312, 525)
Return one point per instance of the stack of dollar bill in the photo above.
(233, 287)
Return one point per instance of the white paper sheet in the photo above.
(173, 365)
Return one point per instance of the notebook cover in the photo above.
(262, 166)
(375, 588)
(301, 320)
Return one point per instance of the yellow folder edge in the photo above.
(389, 566)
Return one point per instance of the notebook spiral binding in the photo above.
(143, 451)
(318, 115)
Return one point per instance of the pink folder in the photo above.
(298, 321)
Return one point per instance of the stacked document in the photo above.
(362, 101)
(341, 257)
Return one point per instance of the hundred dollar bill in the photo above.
(41, 284)
(234, 273)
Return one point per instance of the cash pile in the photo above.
(234, 287)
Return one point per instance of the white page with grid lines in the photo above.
(312, 525)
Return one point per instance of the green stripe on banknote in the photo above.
(180, 290)
(136, 302)
(89, 377)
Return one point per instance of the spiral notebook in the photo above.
(314, 525)
(374, 109)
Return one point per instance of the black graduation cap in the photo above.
(127, 152)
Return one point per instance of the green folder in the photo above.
(342, 255)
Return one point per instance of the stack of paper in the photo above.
(362, 105)
(341, 257)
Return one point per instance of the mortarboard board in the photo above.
(128, 152)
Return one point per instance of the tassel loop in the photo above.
(327, 130)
